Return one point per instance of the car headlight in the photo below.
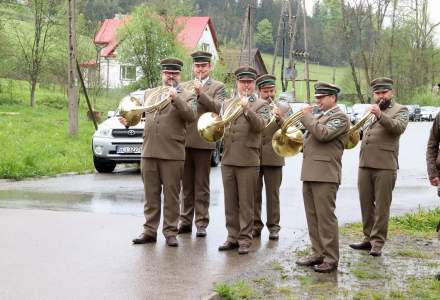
(103, 131)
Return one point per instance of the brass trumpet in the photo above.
(131, 109)
(211, 126)
(289, 139)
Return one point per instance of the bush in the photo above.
(56, 101)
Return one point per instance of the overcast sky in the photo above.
(434, 13)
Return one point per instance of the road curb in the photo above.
(212, 296)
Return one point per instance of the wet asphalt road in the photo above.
(70, 237)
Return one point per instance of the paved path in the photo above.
(69, 237)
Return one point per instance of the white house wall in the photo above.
(208, 39)
(111, 73)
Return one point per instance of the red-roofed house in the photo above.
(195, 33)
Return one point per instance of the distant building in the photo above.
(234, 58)
(195, 33)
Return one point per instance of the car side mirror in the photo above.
(110, 114)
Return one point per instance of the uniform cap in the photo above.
(171, 64)
(382, 84)
(265, 80)
(324, 89)
(201, 57)
(245, 73)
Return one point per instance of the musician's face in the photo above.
(383, 98)
(325, 102)
(266, 92)
(383, 95)
(201, 70)
(246, 86)
(170, 78)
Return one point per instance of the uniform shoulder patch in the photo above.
(335, 123)
(403, 116)
(264, 111)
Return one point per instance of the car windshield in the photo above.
(296, 106)
(343, 107)
(360, 108)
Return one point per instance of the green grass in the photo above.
(36, 141)
(365, 274)
(406, 252)
(235, 291)
(421, 222)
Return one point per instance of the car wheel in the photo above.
(215, 156)
(103, 165)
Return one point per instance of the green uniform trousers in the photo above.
(375, 194)
(195, 187)
(239, 184)
(272, 176)
(320, 205)
(158, 174)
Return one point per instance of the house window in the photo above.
(128, 73)
(205, 47)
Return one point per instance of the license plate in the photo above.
(128, 149)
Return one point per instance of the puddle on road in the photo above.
(118, 203)
(130, 203)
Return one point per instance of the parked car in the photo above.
(359, 110)
(414, 112)
(348, 110)
(112, 143)
(428, 113)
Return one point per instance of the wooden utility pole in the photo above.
(72, 75)
(306, 59)
(247, 35)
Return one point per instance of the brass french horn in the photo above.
(289, 139)
(211, 126)
(354, 133)
(131, 108)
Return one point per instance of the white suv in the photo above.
(112, 143)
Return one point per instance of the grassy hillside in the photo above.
(316, 72)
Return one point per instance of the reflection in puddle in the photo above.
(117, 203)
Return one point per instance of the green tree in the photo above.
(263, 38)
(33, 46)
(145, 41)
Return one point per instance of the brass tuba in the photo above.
(354, 133)
(131, 109)
(211, 126)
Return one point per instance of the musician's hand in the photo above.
(435, 181)
(173, 92)
(307, 109)
(278, 114)
(244, 102)
(197, 86)
(375, 110)
(123, 121)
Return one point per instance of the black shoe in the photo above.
(325, 267)
(172, 241)
(256, 233)
(243, 249)
(361, 246)
(376, 250)
(228, 246)
(201, 232)
(144, 239)
(274, 236)
(184, 229)
(309, 261)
